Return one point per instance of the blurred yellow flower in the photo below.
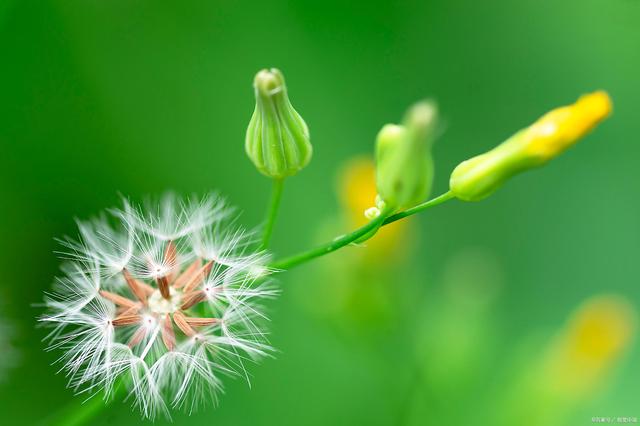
(595, 336)
(359, 290)
(357, 189)
(573, 367)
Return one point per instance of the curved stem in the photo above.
(420, 207)
(361, 234)
(81, 413)
(332, 246)
(274, 204)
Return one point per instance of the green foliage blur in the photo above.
(458, 323)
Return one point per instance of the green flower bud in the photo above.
(277, 139)
(404, 166)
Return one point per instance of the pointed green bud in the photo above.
(404, 166)
(277, 139)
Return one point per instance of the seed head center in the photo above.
(160, 305)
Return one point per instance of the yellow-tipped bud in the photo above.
(534, 146)
(404, 167)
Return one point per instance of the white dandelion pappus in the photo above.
(165, 304)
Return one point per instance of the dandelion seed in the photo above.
(166, 303)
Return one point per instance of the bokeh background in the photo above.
(516, 310)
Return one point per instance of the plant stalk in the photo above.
(272, 213)
(420, 207)
(360, 235)
(332, 246)
(78, 413)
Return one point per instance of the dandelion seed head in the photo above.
(165, 299)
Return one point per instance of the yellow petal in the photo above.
(562, 127)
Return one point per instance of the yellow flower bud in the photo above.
(534, 146)
(404, 167)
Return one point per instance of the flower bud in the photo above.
(404, 166)
(534, 146)
(277, 139)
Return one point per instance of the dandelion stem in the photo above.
(82, 413)
(359, 235)
(274, 204)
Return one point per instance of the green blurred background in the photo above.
(99, 98)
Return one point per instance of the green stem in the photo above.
(361, 234)
(274, 204)
(420, 207)
(332, 246)
(79, 413)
